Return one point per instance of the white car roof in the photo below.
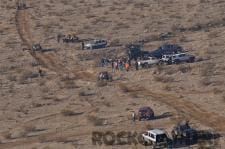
(157, 131)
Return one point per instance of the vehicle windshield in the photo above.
(161, 138)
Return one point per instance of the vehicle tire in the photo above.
(145, 65)
(192, 60)
(150, 143)
(160, 63)
(144, 142)
(177, 61)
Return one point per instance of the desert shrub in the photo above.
(112, 8)
(151, 38)
(124, 88)
(169, 71)
(167, 88)
(206, 81)
(96, 121)
(212, 34)
(11, 88)
(29, 128)
(45, 89)
(106, 12)
(199, 59)
(82, 93)
(134, 95)
(107, 104)
(36, 105)
(148, 126)
(223, 97)
(42, 82)
(47, 147)
(122, 25)
(164, 79)
(7, 135)
(12, 77)
(174, 28)
(140, 5)
(115, 42)
(211, 51)
(43, 139)
(184, 68)
(203, 1)
(70, 84)
(67, 78)
(101, 83)
(183, 39)
(159, 69)
(26, 75)
(217, 91)
(3, 69)
(208, 69)
(131, 89)
(67, 112)
(89, 16)
(65, 2)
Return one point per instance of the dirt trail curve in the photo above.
(185, 108)
(48, 59)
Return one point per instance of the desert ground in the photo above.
(65, 106)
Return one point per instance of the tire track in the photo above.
(49, 60)
(187, 109)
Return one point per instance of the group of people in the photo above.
(119, 64)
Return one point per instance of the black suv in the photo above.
(166, 49)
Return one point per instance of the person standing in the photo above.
(112, 64)
(129, 61)
(117, 64)
(133, 116)
(58, 38)
(82, 45)
(40, 72)
(127, 66)
(136, 65)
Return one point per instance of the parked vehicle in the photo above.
(180, 134)
(21, 6)
(70, 39)
(37, 48)
(157, 138)
(134, 51)
(167, 59)
(184, 131)
(182, 57)
(95, 44)
(166, 49)
(145, 113)
(104, 76)
(148, 62)
(178, 58)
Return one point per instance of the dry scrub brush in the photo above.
(96, 121)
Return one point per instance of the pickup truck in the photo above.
(148, 62)
(178, 58)
(95, 44)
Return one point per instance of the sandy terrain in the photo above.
(63, 108)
